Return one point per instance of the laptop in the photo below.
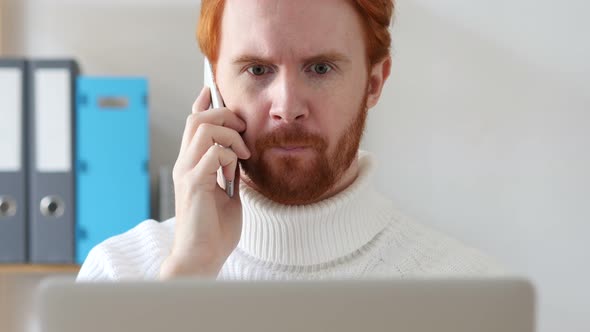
(424, 305)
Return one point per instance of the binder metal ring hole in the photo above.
(52, 206)
(7, 206)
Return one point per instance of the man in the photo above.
(297, 78)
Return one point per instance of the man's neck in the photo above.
(348, 218)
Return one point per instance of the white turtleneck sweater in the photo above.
(356, 233)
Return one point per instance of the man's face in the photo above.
(296, 73)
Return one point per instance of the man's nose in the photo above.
(289, 102)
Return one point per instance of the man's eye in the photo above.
(258, 70)
(321, 68)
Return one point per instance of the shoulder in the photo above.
(410, 248)
(135, 254)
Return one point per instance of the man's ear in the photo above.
(377, 77)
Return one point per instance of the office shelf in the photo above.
(38, 268)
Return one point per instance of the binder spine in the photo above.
(13, 163)
(51, 85)
(112, 180)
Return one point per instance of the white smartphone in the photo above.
(216, 102)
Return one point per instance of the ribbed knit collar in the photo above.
(317, 233)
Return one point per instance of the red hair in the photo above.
(376, 15)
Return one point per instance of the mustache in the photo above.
(291, 135)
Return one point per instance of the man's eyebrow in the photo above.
(324, 57)
(328, 57)
(242, 59)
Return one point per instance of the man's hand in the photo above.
(208, 222)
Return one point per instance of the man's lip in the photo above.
(292, 147)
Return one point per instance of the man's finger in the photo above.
(220, 117)
(215, 157)
(203, 101)
(208, 134)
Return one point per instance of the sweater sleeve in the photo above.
(134, 255)
(96, 267)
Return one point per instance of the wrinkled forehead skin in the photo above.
(284, 30)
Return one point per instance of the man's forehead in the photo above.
(301, 29)
(276, 6)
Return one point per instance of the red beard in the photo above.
(293, 181)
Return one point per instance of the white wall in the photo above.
(483, 130)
